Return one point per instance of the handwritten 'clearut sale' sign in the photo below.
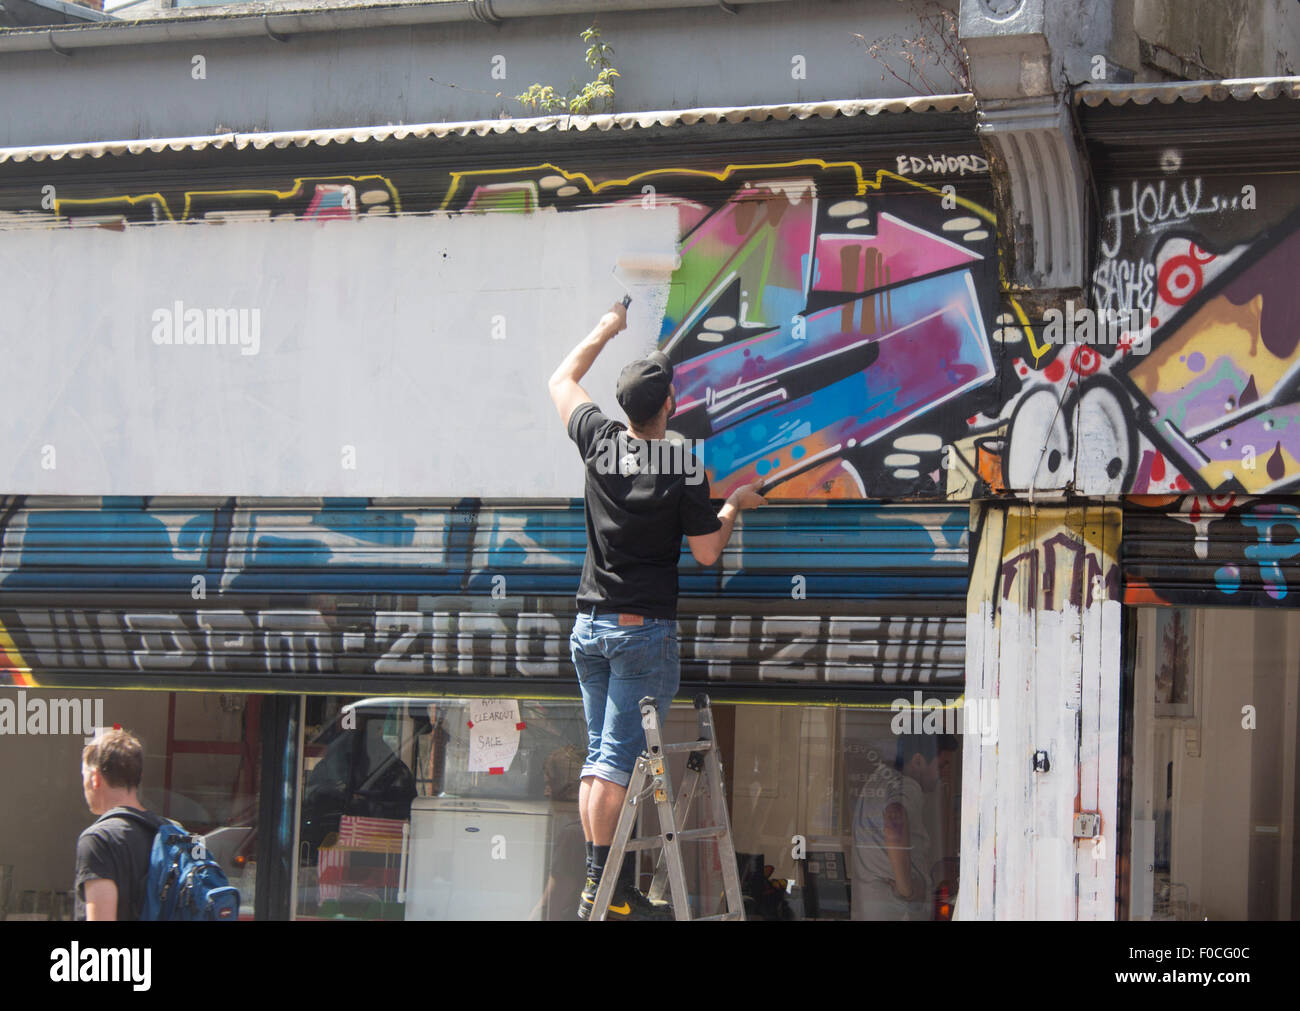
(494, 734)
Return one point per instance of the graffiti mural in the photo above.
(1197, 393)
(837, 327)
(1220, 386)
(307, 198)
(820, 319)
(346, 593)
(1050, 563)
(840, 329)
(1212, 550)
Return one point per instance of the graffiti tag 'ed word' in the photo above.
(943, 164)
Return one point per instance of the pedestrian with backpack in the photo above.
(133, 864)
(113, 853)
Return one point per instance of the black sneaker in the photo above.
(632, 904)
(588, 898)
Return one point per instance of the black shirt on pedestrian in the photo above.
(116, 846)
(636, 515)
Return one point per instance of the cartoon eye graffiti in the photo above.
(1086, 442)
(1104, 455)
(1038, 444)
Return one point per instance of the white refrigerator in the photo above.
(476, 859)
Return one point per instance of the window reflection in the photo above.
(829, 809)
(202, 768)
(1212, 765)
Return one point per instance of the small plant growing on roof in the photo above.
(594, 96)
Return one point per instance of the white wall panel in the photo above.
(376, 334)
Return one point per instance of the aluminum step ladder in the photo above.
(651, 777)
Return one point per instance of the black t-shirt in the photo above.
(641, 498)
(116, 847)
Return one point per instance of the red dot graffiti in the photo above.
(1180, 279)
(1085, 361)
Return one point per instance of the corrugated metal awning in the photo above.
(481, 128)
(1240, 89)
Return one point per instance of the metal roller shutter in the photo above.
(375, 596)
(1211, 551)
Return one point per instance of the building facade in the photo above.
(286, 495)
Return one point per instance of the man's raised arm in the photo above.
(563, 384)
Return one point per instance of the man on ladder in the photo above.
(624, 641)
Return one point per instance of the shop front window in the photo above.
(201, 769)
(411, 810)
(1213, 765)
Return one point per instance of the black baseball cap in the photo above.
(643, 386)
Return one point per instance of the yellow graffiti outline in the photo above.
(864, 184)
(298, 184)
(22, 672)
(1037, 349)
(506, 692)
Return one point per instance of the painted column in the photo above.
(1044, 648)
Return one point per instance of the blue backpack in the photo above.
(180, 885)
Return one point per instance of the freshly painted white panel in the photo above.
(423, 342)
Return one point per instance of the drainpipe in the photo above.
(283, 26)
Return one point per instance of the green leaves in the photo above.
(594, 96)
(542, 98)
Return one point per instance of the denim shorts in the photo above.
(618, 666)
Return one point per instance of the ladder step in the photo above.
(681, 746)
(691, 834)
(717, 916)
(684, 835)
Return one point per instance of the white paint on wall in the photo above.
(423, 343)
(978, 804)
(1101, 651)
(1019, 846)
(1055, 677)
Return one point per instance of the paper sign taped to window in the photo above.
(493, 734)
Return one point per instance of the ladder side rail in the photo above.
(618, 845)
(686, 796)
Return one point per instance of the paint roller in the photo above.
(654, 268)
